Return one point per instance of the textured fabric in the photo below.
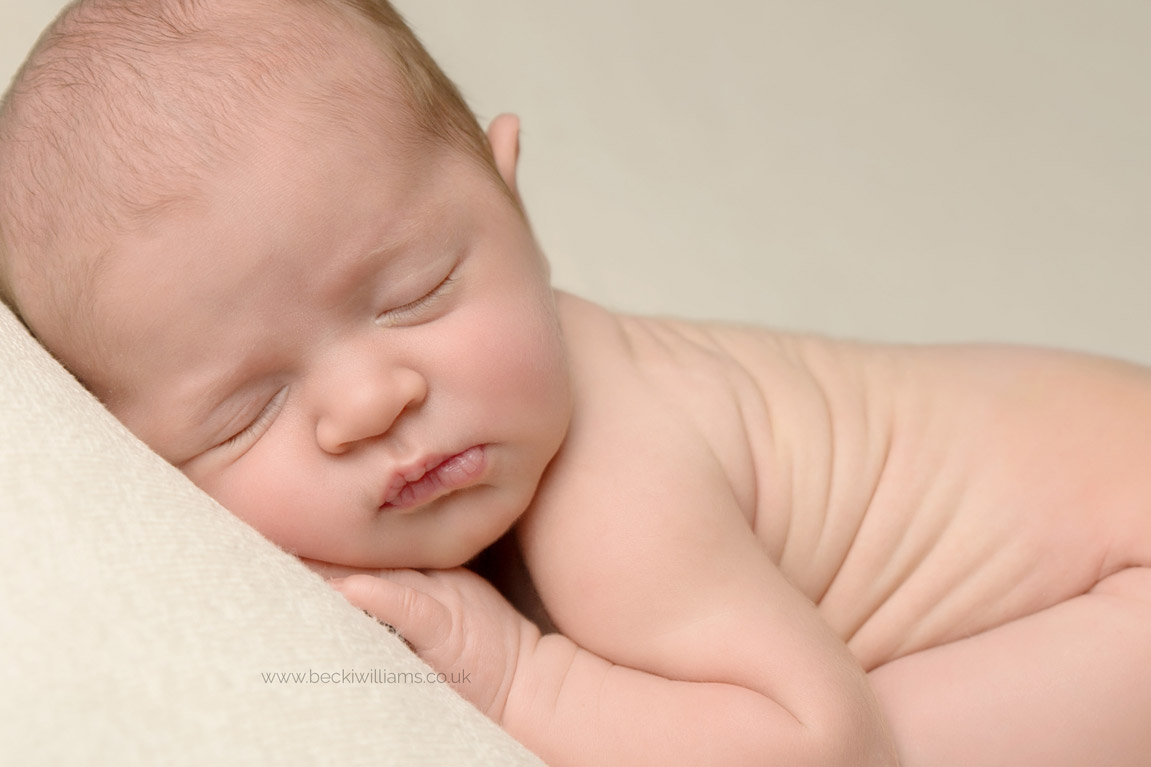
(137, 617)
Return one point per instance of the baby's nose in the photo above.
(366, 406)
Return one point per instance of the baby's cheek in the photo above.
(519, 361)
(271, 492)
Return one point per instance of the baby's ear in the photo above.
(504, 136)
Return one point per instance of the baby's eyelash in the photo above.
(409, 309)
(263, 420)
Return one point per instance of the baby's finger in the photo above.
(421, 620)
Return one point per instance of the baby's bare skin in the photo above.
(916, 495)
(758, 547)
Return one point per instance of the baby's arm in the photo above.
(572, 706)
(761, 678)
(717, 659)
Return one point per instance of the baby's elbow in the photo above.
(841, 739)
(852, 738)
(837, 729)
(856, 750)
(842, 747)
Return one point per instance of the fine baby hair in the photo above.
(124, 107)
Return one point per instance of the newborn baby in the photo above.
(272, 239)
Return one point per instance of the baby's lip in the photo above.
(433, 477)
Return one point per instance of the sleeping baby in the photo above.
(270, 236)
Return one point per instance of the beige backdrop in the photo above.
(907, 171)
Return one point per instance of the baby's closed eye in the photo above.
(252, 432)
(411, 311)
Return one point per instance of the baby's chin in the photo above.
(338, 567)
(341, 569)
(338, 570)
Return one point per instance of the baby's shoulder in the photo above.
(654, 445)
(648, 390)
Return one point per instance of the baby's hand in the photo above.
(453, 619)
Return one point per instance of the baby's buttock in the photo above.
(922, 495)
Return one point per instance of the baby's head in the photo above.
(272, 238)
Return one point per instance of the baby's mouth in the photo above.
(438, 477)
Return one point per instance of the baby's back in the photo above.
(915, 494)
